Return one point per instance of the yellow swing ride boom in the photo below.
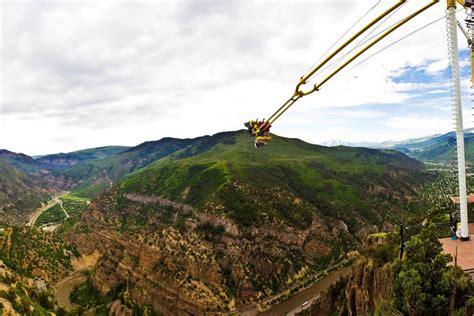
(260, 129)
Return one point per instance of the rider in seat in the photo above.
(259, 129)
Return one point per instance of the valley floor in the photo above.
(54, 201)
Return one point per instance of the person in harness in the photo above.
(260, 130)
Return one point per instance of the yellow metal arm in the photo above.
(452, 3)
(312, 71)
(350, 40)
(375, 41)
(299, 93)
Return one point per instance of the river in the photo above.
(64, 288)
(290, 306)
(293, 304)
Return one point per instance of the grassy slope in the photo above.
(328, 178)
(438, 148)
(20, 193)
(96, 176)
(446, 149)
(85, 154)
(31, 252)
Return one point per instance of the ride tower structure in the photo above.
(453, 54)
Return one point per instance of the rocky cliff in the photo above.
(366, 291)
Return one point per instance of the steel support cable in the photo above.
(344, 34)
(328, 68)
(285, 107)
(398, 40)
(334, 53)
(382, 31)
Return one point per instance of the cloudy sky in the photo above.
(85, 74)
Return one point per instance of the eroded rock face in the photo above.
(367, 288)
(183, 259)
(365, 291)
(234, 246)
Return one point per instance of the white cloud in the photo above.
(417, 125)
(82, 74)
(437, 66)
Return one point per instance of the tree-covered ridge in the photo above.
(62, 161)
(423, 282)
(439, 147)
(33, 253)
(244, 181)
(20, 193)
(20, 295)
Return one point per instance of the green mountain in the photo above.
(437, 147)
(445, 149)
(211, 223)
(20, 192)
(66, 160)
(313, 173)
(26, 182)
(93, 177)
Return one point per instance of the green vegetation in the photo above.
(422, 283)
(74, 206)
(377, 235)
(53, 214)
(86, 295)
(20, 194)
(26, 298)
(211, 232)
(439, 148)
(425, 284)
(29, 251)
(233, 173)
(40, 303)
(90, 300)
(95, 175)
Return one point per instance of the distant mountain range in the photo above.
(65, 160)
(25, 182)
(440, 147)
(94, 170)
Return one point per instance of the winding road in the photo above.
(54, 200)
(295, 303)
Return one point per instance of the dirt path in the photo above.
(64, 210)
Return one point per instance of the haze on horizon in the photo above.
(85, 74)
